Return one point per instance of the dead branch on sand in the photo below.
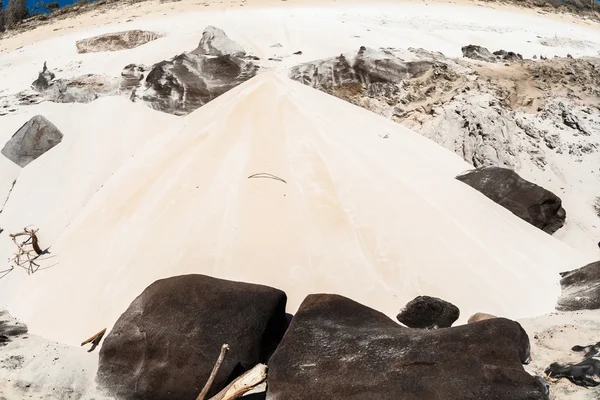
(94, 340)
(266, 175)
(28, 251)
(242, 384)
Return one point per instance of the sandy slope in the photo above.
(379, 220)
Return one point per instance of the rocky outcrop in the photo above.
(165, 344)
(530, 202)
(336, 348)
(427, 312)
(215, 42)
(10, 328)
(115, 41)
(585, 373)
(580, 289)
(81, 89)
(188, 81)
(478, 53)
(33, 139)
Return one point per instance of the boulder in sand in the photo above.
(115, 41)
(336, 348)
(33, 139)
(215, 42)
(585, 373)
(528, 201)
(427, 312)
(165, 344)
(478, 53)
(480, 317)
(580, 289)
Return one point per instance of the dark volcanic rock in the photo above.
(580, 289)
(215, 42)
(585, 373)
(115, 41)
(336, 348)
(478, 53)
(508, 55)
(33, 139)
(528, 201)
(428, 313)
(188, 81)
(43, 80)
(165, 344)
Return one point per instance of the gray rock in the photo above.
(215, 42)
(165, 344)
(530, 202)
(427, 312)
(584, 373)
(478, 53)
(43, 80)
(580, 289)
(33, 139)
(115, 41)
(338, 349)
(508, 55)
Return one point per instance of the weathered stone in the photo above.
(215, 42)
(115, 41)
(478, 53)
(585, 373)
(427, 312)
(528, 201)
(336, 348)
(479, 317)
(165, 344)
(580, 289)
(33, 139)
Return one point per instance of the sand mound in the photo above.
(363, 207)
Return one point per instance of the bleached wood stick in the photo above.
(243, 383)
(214, 372)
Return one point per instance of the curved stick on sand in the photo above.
(94, 340)
(266, 175)
(214, 372)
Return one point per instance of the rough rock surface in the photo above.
(336, 348)
(165, 344)
(33, 139)
(530, 202)
(478, 53)
(584, 373)
(427, 312)
(215, 42)
(115, 41)
(187, 82)
(80, 89)
(580, 289)
(480, 317)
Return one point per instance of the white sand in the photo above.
(378, 220)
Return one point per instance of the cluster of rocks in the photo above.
(482, 54)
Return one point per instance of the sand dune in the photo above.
(368, 209)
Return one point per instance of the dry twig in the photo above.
(214, 372)
(266, 175)
(94, 340)
(243, 384)
(28, 251)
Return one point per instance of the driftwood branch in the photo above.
(28, 250)
(94, 340)
(243, 384)
(266, 175)
(214, 372)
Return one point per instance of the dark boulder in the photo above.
(165, 344)
(530, 202)
(478, 53)
(580, 289)
(336, 348)
(188, 81)
(508, 55)
(33, 139)
(428, 313)
(44, 78)
(215, 42)
(585, 373)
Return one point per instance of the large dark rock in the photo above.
(10, 328)
(427, 312)
(188, 81)
(115, 41)
(530, 202)
(165, 344)
(585, 373)
(336, 348)
(580, 289)
(478, 53)
(33, 139)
